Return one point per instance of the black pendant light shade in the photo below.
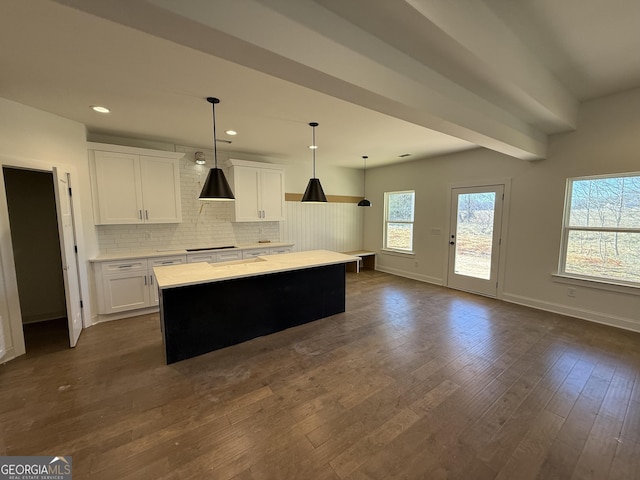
(314, 192)
(216, 186)
(364, 202)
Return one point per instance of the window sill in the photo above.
(397, 253)
(598, 284)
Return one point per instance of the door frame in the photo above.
(9, 299)
(504, 228)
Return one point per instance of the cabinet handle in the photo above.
(146, 214)
(140, 214)
(145, 279)
(151, 279)
(125, 266)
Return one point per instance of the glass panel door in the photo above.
(474, 239)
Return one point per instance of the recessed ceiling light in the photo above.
(100, 109)
(231, 132)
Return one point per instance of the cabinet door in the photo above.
(272, 194)
(160, 180)
(118, 196)
(125, 291)
(246, 182)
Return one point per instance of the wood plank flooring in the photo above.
(413, 381)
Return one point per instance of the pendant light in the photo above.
(364, 202)
(216, 187)
(314, 192)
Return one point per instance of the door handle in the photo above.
(452, 243)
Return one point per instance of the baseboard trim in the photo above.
(118, 316)
(589, 315)
(413, 276)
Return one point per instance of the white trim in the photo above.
(385, 220)
(396, 253)
(589, 315)
(102, 318)
(133, 150)
(413, 276)
(599, 284)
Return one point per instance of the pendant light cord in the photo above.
(215, 148)
(313, 144)
(364, 177)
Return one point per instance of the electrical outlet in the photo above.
(571, 292)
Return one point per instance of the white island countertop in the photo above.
(195, 273)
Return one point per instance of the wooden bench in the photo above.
(367, 261)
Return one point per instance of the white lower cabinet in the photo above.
(129, 285)
(125, 285)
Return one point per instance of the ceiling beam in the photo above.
(305, 43)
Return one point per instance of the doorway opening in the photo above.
(35, 240)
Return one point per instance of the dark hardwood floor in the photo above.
(413, 381)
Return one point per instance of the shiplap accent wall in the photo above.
(325, 226)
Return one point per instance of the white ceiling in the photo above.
(382, 77)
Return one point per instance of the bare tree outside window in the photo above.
(602, 228)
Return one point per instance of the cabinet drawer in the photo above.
(202, 257)
(135, 265)
(163, 261)
(277, 250)
(228, 256)
(254, 252)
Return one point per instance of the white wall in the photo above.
(606, 141)
(35, 139)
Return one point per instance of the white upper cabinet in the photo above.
(259, 191)
(134, 185)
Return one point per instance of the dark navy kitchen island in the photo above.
(205, 307)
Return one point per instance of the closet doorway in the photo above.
(35, 239)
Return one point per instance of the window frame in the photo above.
(567, 229)
(386, 222)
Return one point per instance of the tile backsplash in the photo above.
(203, 223)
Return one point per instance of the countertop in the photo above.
(195, 273)
(170, 252)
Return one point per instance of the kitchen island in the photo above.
(205, 307)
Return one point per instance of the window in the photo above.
(601, 230)
(398, 220)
